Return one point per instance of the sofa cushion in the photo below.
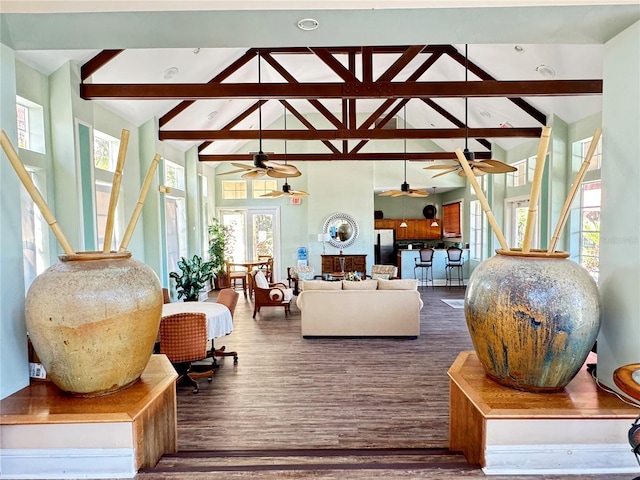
(401, 284)
(362, 285)
(320, 285)
(302, 272)
(383, 276)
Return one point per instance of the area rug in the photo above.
(454, 303)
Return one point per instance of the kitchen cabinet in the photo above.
(385, 223)
(416, 229)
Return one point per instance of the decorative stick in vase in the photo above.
(545, 137)
(562, 219)
(35, 194)
(136, 212)
(483, 200)
(115, 190)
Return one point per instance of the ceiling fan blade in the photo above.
(438, 167)
(478, 163)
(273, 194)
(398, 193)
(281, 167)
(418, 193)
(299, 194)
(277, 174)
(388, 193)
(232, 171)
(499, 167)
(256, 173)
(477, 172)
(451, 169)
(242, 166)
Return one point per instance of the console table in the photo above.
(352, 263)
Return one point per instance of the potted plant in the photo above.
(194, 274)
(220, 248)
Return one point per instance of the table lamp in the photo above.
(324, 238)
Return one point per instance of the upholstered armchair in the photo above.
(385, 272)
(269, 294)
(295, 274)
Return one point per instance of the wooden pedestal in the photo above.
(45, 433)
(580, 430)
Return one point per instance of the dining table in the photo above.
(248, 265)
(219, 319)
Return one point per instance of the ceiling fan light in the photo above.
(469, 155)
(259, 159)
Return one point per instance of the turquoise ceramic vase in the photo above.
(533, 318)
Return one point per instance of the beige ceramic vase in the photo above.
(93, 319)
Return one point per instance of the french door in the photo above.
(255, 232)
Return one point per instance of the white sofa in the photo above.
(392, 309)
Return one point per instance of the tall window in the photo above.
(475, 230)
(23, 126)
(30, 123)
(175, 214)
(517, 212)
(105, 151)
(590, 227)
(105, 157)
(596, 160)
(519, 177)
(451, 220)
(34, 236)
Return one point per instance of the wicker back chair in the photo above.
(183, 339)
(229, 298)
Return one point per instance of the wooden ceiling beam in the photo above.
(235, 121)
(487, 88)
(349, 134)
(483, 141)
(97, 62)
(305, 122)
(324, 157)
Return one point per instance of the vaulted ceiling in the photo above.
(348, 88)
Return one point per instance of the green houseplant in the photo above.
(220, 247)
(192, 278)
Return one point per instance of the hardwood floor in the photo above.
(326, 408)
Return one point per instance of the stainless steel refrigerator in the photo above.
(384, 248)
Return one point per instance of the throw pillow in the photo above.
(320, 285)
(401, 284)
(261, 280)
(383, 276)
(362, 285)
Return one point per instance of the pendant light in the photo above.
(435, 220)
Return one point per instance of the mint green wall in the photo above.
(14, 370)
(618, 342)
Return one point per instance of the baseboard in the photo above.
(581, 459)
(66, 463)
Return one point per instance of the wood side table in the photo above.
(627, 378)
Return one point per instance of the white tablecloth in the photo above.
(219, 320)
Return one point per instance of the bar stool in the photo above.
(454, 261)
(425, 262)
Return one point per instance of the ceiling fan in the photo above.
(261, 163)
(405, 189)
(286, 188)
(477, 167)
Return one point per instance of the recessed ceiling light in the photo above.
(485, 114)
(546, 71)
(212, 115)
(170, 72)
(196, 51)
(308, 24)
(518, 48)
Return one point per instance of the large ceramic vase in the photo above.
(533, 318)
(93, 319)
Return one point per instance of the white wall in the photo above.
(619, 339)
(13, 346)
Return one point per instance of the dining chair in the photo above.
(236, 275)
(183, 339)
(267, 267)
(455, 261)
(424, 262)
(229, 298)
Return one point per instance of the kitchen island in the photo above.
(407, 260)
